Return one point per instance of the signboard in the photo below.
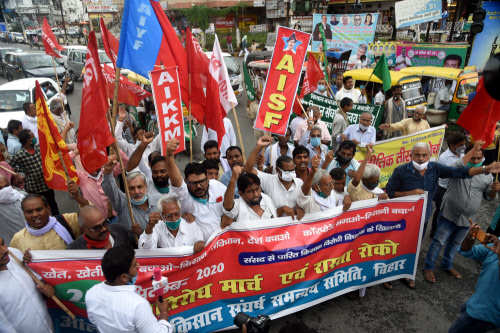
(410, 12)
(167, 98)
(328, 107)
(391, 153)
(97, 7)
(487, 42)
(282, 79)
(276, 270)
(345, 32)
(408, 55)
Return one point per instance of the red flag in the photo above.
(51, 144)
(481, 115)
(50, 41)
(111, 44)
(128, 92)
(94, 134)
(312, 77)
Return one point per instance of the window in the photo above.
(13, 100)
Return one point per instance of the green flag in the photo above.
(325, 47)
(248, 83)
(381, 71)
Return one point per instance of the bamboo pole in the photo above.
(190, 125)
(239, 134)
(55, 72)
(8, 170)
(115, 99)
(40, 283)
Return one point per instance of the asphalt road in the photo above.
(429, 308)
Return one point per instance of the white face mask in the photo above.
(287, 176)
(363, 127)
(420, 167)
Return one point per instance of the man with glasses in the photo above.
(411, 125)
(169, 229)
(361, 134)
(197, 195)
(97, 233)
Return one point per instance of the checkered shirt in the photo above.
(31, 166)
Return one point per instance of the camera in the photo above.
(259, 324)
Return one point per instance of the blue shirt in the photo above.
(226, 178)
(13, 144)
(484, 304)
(353, 165)
(407, 178)
(1, 138)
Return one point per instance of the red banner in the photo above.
(167, 98)
(128, 92)
(281, 86)
(49, 40)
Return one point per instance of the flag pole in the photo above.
(190, 125)
(115, 100)
(239, 133)
(55, 72)
(40, 284)
(301, 106)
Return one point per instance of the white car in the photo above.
(14, 94)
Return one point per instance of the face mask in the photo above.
(477, 165)
(33, 141)
(342, 160)
(163, 190)
(160, 182)
(420, 167)
(315, 142)
(363, 127)
(461, 150)
(255, 202)
(173, 225)
(200, 200)
(370, 187)
(287, 176)
(321, 87)
(132, 280)
(323, 195)
(139, 202)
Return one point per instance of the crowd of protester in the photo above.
(308, 170)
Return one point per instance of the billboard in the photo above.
(410, 12)
(486, 42)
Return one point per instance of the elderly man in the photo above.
(312, 141)
(115, 306)
(98, 233)
(43, 231)
(280, 148)
(22, 309)
(362, 134)
(411, 125)
(325, 194)
(64, 125)
(364, 183)
(343, 158)
(303, 129)
(198, 196)
(461, 201)
(172, 230)
(252, 204)
(283, 187)
(29, 118)
(10, 209)
(348, 90)
(142, 203)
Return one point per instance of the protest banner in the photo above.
(391, 153)
(345, 32)
(274, 267)
(282, 79)
(410, 12)
(328, 107)
(411, 54)
(167, 98)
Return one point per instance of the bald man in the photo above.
(98, 233)
(411, 125)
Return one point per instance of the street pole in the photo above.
(64, 23)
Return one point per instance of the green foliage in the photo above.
(199, 16)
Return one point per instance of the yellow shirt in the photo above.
(409, 126)
(23, 240)
(358, 193)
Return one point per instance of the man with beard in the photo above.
(252, 204)
(234, 157)
(411, 125)
(280, 148)
(343, 158)
(301, 161)
(197, 195)
(98, 233)
(159, 174)
(115, 306)
(22, 309)
(283, 187)
(142, 203)
(348, 90)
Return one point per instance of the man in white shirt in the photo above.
(363, 133)
(252, 203)
(228, 140)
(444, 96)
(198, 196)
(280, 148)
(340, 120)
(283, 187)
(29, 118)
(64, 125)
(22, 309)
(172, 230)
(297, 122)
(315, 121)
(379, 97)
(348, 91)
(114, 306)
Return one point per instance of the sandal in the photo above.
(409, 283)
(429, 276)
(453, 272)
(387, 285)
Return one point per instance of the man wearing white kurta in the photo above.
(22, 308)
(228, 140)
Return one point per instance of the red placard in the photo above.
(282, 79)
(167, 98)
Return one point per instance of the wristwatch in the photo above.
(484, 169)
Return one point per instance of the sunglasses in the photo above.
(100, 226)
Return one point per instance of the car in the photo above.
(15, 93)
(76, 60)
(233, 69)
(20, 65)
(18, 37)
(3, 51)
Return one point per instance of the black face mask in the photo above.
(371, 187)
(255, 202)
(342, 160)
(160, 181)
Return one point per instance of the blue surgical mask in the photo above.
(477, 165)
(132, 280)
(33, 141)
(321, 87)
(163, 190)
(323, 195)
(173, 225)
(139, 202)
(315, 142)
